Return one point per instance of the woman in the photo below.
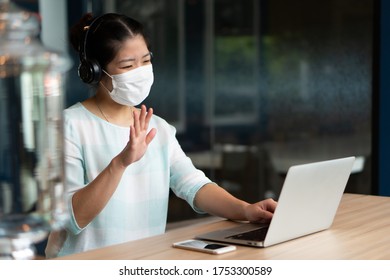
(121, 161)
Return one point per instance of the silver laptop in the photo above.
(307, 204)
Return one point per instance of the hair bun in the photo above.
(78, 29)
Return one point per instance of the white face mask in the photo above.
(132, 87)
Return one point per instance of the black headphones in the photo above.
(89, 70)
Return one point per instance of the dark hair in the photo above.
(106, 38)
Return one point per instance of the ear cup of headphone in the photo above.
(89, 71)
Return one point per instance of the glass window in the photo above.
(254, 87)
(232, 49)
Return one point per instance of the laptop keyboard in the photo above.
(254, 235)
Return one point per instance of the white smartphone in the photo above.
(205, 247)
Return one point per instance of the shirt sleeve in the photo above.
(185, 178)
(74, 171)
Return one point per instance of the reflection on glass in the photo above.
(312, 63)
(234, 65)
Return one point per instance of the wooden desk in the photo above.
(361, 230)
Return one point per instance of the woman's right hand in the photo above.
(139, 138)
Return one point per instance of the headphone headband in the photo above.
(89, 69)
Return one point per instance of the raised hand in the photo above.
(139, 138)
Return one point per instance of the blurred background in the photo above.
(255, 86)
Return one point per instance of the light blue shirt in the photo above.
(139, 206)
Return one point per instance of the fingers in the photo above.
(148, 117)
(270, 205)
(266, 215)
(136, 118)
(150, 136)
(142, 118)
(261, 211)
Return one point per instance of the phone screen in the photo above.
(206, 247)
(214, 246)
